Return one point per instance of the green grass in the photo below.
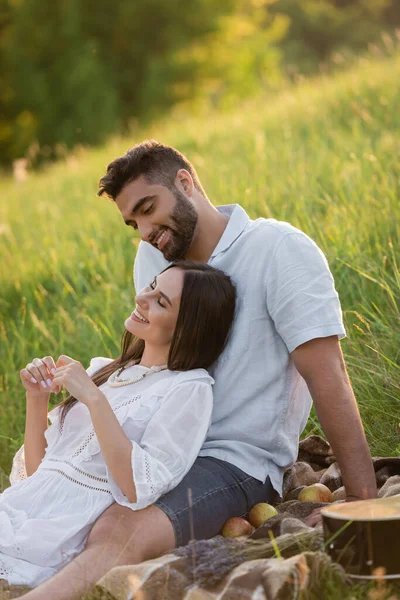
(323, 155)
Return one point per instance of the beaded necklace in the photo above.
(115, 381)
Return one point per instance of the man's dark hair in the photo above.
(157, 162)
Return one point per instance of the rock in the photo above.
(332, 477)
(391, 487)
(339, 494)
(299, 474)
(294, 494)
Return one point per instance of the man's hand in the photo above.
(320, 362)
(72, 375)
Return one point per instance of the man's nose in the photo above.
(145, 231)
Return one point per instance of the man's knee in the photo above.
(136, 535)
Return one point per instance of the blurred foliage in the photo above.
(318, 28)
(75, 71)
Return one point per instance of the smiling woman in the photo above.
(108, 441)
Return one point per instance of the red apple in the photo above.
(236, 527)
(317, 492)
(260, 513)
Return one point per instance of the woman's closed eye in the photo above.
(152, 286)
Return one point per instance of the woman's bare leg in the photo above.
(120, 536)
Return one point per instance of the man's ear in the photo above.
(184, 181)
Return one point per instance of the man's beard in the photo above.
(183, 224)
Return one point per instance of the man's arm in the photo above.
(320, 362)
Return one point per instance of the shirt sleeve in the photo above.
(149, 262)
(301, 296)
(169, 445)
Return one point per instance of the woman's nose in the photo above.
(141, 300)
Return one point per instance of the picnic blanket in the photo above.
(281, 559)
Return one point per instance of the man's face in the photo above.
(165, 218)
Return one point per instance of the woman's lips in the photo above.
(135, 317)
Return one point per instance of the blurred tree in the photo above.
(320, 27)
(74, 71)
(138, 41)
(228, 63)
(15, 126)
(60, 87)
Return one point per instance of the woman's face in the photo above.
(157, 307)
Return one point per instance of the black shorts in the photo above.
(219, 490)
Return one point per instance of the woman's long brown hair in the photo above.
(204, 320)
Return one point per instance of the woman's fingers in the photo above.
(58, 380)
(36, 374)
(28, 376)
(44, 373)
(50, 364)
(64, 360)
(40, 371)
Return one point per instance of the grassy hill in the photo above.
(323, 155)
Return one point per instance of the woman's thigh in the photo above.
(212, 492)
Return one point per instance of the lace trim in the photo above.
(148, 473)
(5, 571)
(18, 549)
(67, 462)
(60, 430)
(130, 401)
(92, 432)
(22, 474)
(84, 444)
(18, 470)
(86, 485)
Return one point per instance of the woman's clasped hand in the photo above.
(44, 376)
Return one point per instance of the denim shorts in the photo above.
(219, 490)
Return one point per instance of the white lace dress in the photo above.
(45, 518)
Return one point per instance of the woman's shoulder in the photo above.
(193, 375)
(98, 363)
(172, 381)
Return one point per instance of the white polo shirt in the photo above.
(286, 296)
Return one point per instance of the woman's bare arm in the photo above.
(36, 423)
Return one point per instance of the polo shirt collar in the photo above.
(238, 219)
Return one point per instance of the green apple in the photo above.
(260, 513)
(317, 492)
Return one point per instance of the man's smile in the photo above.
(161, 238)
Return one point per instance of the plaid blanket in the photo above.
(281, 559)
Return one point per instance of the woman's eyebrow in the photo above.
(162, 293)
